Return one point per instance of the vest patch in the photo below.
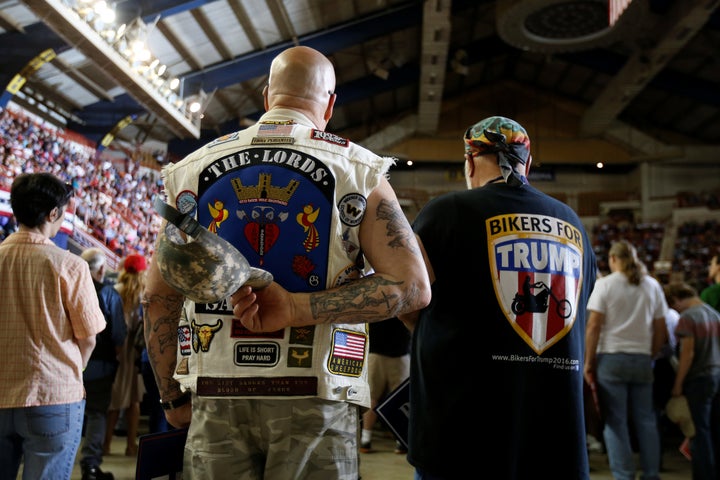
(257, 386)
(257, 354)
(352, 209)
(280, 211)
(330, 138)
(347, 355)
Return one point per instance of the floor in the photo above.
(384, 464)
(674, 465)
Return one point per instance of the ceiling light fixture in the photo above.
(123, 55)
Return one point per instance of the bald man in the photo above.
(271, 381)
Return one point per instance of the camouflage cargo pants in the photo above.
(309, 439)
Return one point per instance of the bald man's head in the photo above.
(301, 78)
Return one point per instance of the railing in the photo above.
(86, 240)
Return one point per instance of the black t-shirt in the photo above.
(520, 349)
(389, 337)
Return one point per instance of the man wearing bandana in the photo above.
(511, 271)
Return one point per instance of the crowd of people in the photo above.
(695, 245)
(113, 199)
(499, 281)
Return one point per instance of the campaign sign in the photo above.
(160, 455)
(394, 411)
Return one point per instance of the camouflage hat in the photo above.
(202, 266)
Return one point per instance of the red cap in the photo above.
(135, 263)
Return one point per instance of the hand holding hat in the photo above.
(202, 266)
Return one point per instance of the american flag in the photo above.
(184, 339)
(349, 345)
(274, 129)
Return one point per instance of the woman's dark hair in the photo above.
(34, 195)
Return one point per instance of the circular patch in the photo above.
(352, 209)
(186, 202)
(350, 272)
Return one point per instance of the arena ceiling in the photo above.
(650, 83)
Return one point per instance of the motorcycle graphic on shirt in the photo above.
(526, 301)
(536, 265)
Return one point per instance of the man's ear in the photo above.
(53, 214)
(330, 106)
(265, 98)
(527, 165)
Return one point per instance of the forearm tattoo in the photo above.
(163, 322)
(397, 226)
(357, 302)
(366, 300)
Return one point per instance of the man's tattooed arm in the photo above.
(397, 229)
(162, 314)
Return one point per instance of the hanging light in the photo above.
(130, 40)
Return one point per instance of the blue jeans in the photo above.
(48, 437)
(625, 381)
(703, 396)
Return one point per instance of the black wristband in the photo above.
(178, 402)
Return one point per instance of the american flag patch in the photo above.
(349, 344)
(184, 339)
(274, 129)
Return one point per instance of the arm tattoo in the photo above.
(167, 312)
(357, 302)
(172, 306)
(396, 226)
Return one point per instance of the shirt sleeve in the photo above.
(684, 327)
(596, 301)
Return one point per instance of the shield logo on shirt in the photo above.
(536, 263)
